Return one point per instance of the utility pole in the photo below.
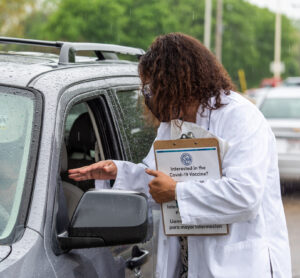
(219, 30)
(277, 44)
(207, 23)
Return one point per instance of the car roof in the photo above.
(20, 68)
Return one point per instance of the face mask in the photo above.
(146, 91)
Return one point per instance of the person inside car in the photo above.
(181, 79)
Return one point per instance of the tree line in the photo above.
(248, 31)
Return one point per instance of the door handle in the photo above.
(138, 258)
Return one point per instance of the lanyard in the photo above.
(209, 116)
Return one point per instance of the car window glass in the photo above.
(16, 124)
(139, 133)
(281, 108)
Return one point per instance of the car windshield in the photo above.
(16, 122)
(281, 108)
(291, 82)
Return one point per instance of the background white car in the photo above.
(281, 107)
(292, 81)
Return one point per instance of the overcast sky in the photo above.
(289, 7)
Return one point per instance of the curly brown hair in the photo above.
(181, 72)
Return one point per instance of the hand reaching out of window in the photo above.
(102, 170)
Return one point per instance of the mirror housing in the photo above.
(107, 218)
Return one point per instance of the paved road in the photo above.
(291, 203)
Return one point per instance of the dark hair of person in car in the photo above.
(178, 71)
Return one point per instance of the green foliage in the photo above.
(83, 20)
(144, 22)
(248, 42)
(239, 39)
(11, 15)
(248, 31)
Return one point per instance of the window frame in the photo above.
(28, 187)
(104, 115)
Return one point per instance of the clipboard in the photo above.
(180, 159)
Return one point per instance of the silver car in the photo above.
(281, 107)
(65, 111)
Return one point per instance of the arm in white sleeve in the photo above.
(132, 176)
(238, 194)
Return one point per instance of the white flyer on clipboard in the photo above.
(185, 160)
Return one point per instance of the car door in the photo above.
(88, 133)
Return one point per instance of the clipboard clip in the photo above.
(189, 135)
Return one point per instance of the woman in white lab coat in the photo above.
(182, 79)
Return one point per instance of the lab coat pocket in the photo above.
(245, 259)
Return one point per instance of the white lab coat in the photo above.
(247, 197)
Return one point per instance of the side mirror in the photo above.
(107, 218)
